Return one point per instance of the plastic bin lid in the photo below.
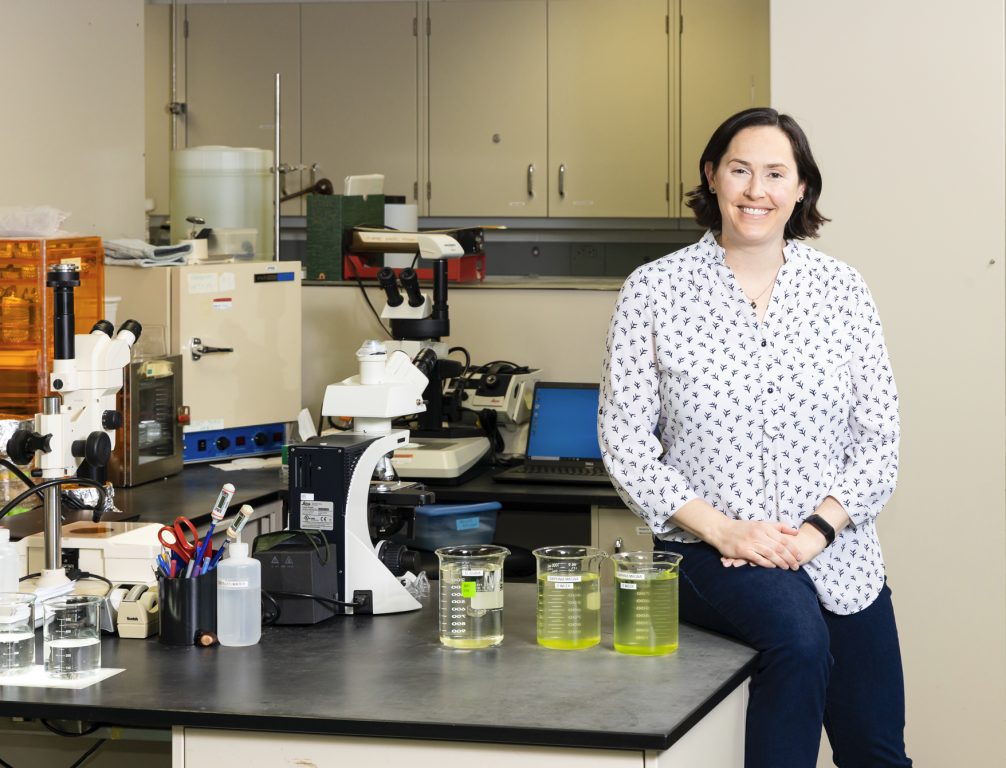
(214, 159)
(438, 510)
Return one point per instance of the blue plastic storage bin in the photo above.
(447, 525)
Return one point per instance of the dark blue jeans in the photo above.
(816, 666)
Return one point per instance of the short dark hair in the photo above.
(806, 219)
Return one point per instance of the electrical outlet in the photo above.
(588, 259)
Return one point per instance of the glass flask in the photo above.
(71, 636)
(17, 633)
(646, 602)
(569, 596)
(471, 595)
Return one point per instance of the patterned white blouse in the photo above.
(762, 421)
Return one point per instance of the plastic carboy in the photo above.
(471, 595)
(646, 602)
(239, 597)
(569, 596)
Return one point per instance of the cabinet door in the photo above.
(360, 95)
(488, 109)
(724, 70)
(233, 52)
(608, 108)
(618, 530)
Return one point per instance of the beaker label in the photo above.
(574, 579)
(472, 573)
(634, 576)
(627, 586)
(564, 586)
(468, 589)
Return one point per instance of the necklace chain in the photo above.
(753, 301)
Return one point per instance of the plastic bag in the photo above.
(35, 221)
(417, 586)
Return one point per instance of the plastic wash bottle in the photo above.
(9, 561)
(239, 601)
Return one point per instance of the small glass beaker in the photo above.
(471, 595)
(646, 602)
(71, 636)
(569, 596)
(17, 633)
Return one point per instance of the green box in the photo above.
(328, 218)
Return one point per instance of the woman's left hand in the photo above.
(809, 540)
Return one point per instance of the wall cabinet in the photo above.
(488, 108)
(608, 116)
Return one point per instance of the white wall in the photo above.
(71, 135)
(903, 103)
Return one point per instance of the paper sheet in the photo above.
(37, 679)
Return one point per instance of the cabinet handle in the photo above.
(618, 545)
(562, 181)
(530, 180)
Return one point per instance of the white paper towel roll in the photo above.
(404, 218)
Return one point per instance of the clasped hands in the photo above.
(770, 545)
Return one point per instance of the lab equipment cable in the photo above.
(319, 598)
(269, 621)
(60, 732)
(54, 483)
(75, 574)
(363, 290)
(4, 764)
(468, 359)
(87, 754)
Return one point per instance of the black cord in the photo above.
(5, 765)
(468, 359)
(21, 476)
(319, 598)
(268, 622)
(60, 732)
(55, 483)
(365, 296)
(87, 754)
(29, 576)
(415, 259)
(74, 573)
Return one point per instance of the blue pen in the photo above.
(219, 510)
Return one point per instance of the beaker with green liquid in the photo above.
(471, 595)
(646, 602)
(569, 596)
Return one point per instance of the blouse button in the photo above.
(770, 390)
(764, 343)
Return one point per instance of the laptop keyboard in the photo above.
(524, 469)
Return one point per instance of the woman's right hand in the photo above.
(770, 545)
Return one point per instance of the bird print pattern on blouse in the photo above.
(762, 421)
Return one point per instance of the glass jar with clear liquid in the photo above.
(471, 595)
(646, 602)
(71, 636)
(17, 633)
(569, 596)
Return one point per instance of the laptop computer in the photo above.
(562, 443)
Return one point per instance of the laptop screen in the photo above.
(563, 423)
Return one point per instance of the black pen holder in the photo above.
(187, 607)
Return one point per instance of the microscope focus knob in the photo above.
(223, 443)
(260, 439)
(23, 444)
(111, 420)
(96, 450)
(398, 559)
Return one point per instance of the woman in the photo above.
(763, 364)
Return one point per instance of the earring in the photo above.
(800, 199)
(712, 191)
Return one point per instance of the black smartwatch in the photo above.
(823, 526)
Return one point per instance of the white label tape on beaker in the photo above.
(229, 584)
(552, 577)
(472, 573)
(563, 586)
(633, 576)
(627, 585)
(487, 601)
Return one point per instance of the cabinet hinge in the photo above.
(668, 192)
(667, 25)
(428, 24)
(415, 190)
(429, 190)
(681, 24)
(415, 27)
(681, 191)
(185, 28)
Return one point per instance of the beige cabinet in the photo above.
(608, 108)
(488, 108)
(360, 92)
(724, 69)
(617, 529)
(233, 52)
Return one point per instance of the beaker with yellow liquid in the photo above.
(471, 595)
(646, 602)
(569, 596)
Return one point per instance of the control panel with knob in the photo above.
(260, 439)
(222, 443)
(239, 442)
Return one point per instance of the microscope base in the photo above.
(52, 578)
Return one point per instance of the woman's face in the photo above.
(757, 186)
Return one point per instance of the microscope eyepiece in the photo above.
(410, 282)
(386, 279)
(133, 327)
(425, 361)
(104, 327)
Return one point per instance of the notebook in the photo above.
(562, 445)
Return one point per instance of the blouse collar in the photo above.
(713, 253)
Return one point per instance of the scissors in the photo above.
(180, 546)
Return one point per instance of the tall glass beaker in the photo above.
(17, 633)
(471, 595)
(569, 596)
(646, 602)
(71, 636)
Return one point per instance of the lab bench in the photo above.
(379, 688)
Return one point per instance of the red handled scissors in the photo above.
(180, 544)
